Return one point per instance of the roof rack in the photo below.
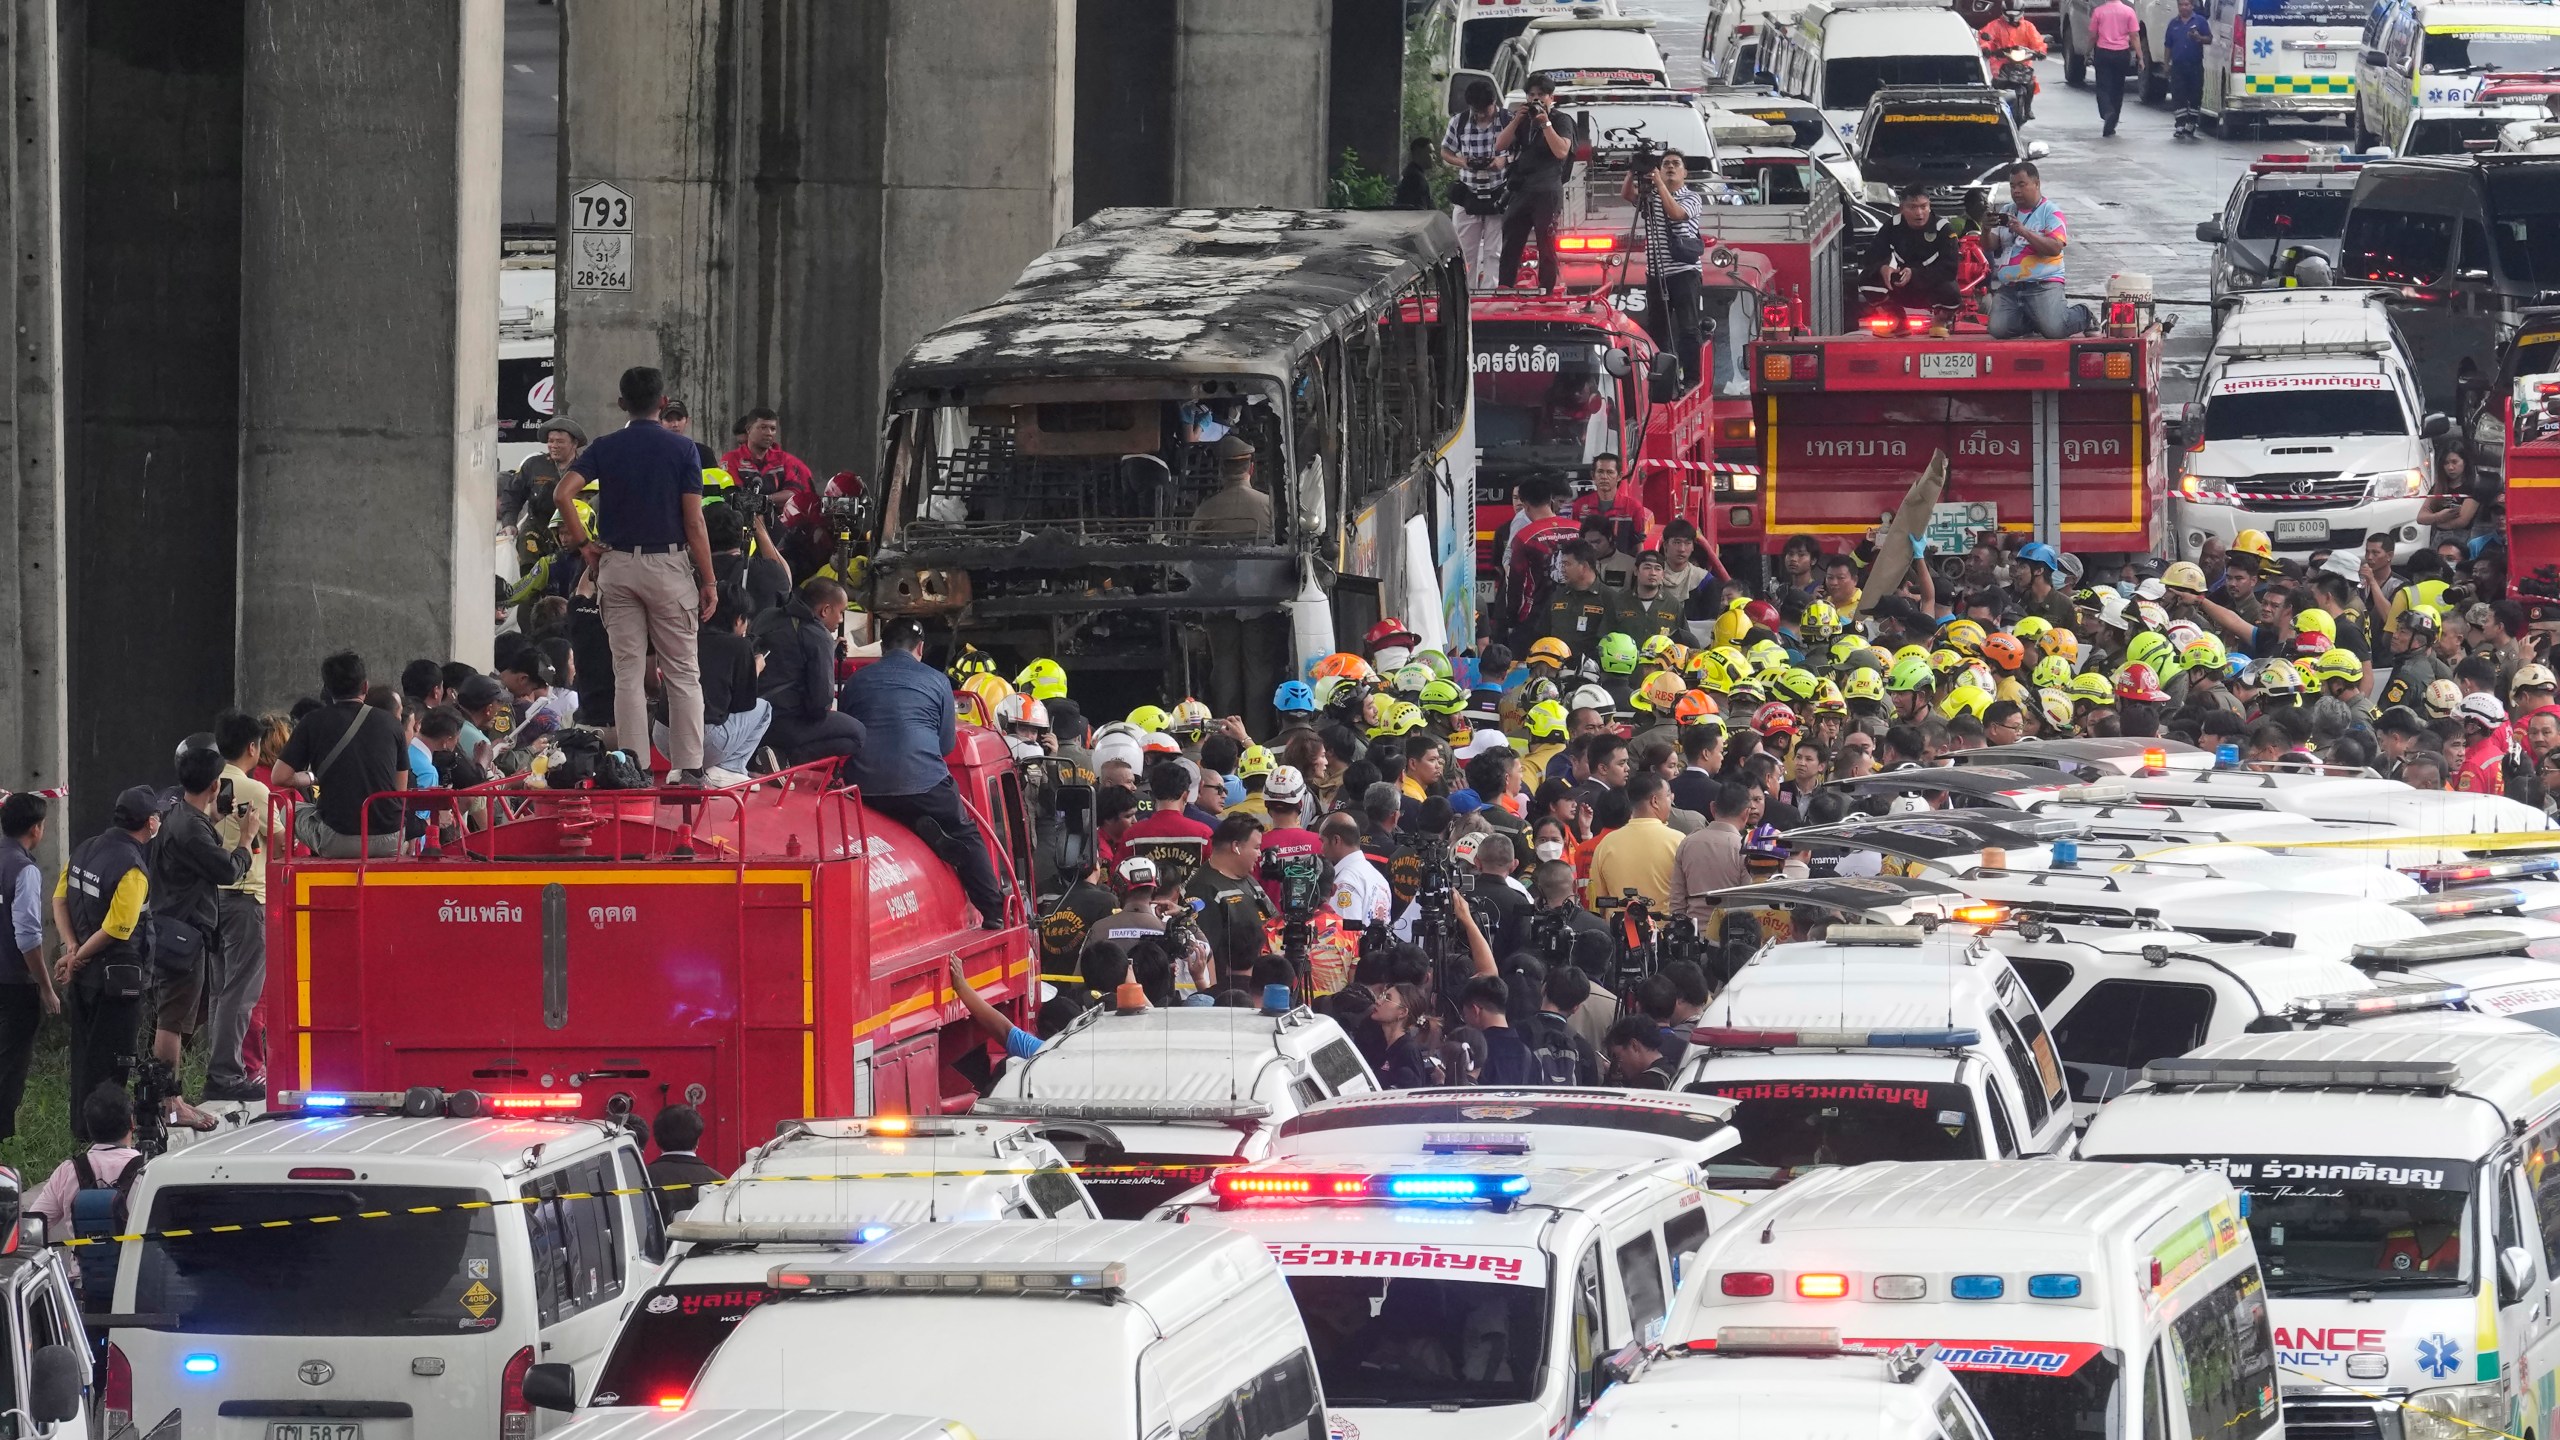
(2298, 349)
(2041, 878)
(1896, 935)
(2426, 1076)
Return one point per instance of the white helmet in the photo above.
(1592, 697)
(1284, 786)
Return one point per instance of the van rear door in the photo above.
(2284, 57)
(2417, 232)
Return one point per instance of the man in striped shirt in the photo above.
(1476, 200)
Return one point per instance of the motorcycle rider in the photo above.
(2011, 30)
(1912, 261)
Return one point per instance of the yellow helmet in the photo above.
(1796, 685)
(1827, 699)
(1042, 679)
(1862, 684)
(1254, 761)
(2092, 689)
(1740, 663)
(1713, 671)
(1654, 647)
(971, 661)
(1965, 699)
(2058, 641)
(1846, 646)
(990, 690)
(1820, 621)
(2316, 622)
(2253, 543)
(1944, 659)
(2029, 627)
(2205, 652)
(2336, 664)
(1910, 652)
(2011, 688)
(1396, 717)
(1962, 633)
(1660, 691)
(1548, 650)
(1768, 656)
(1547, 719)
(2051, 672)
(1732, 625)
(1148, 718)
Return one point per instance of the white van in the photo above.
(2311, 426)
(2502, 969)
(2434, 54)
(1787, 1380)
(460, 1251)
(2070, 1299)
(2367, 799)
(1454, 35)
(760, 1425)
(1487, 1266)
(2399, 1186)
(1035, 1330)
(1175, 1089)
(1878, 1042)
(821, 1187)
(1596, 51)
(2278, 60)
(1837, 53)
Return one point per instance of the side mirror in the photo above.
(1614, 360)
(1618, 1365)
(2473, 274)
(1076, 828)
(2037, 149)
(1459, 80)
(2515, 1278)
(2095, 1084)
(2209, 231)
(2435, 426)
(1663, 379)
(55, 1379)
(552, 1387)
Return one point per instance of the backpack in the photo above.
(97, 1211)
(1559, 1060)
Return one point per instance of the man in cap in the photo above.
(1238, 511)
(98, 907)
(524, 493)
(1284, 800)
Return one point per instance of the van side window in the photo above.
(1953, 1422)
(2003, 1134)
(1683, 1234)
(2046, 978)
(2406, 246)
(1640, 1267)
(2130, 1023)
(2022, 1069)
(2228, 1356)
(2546, 1191)
(1277, 1404)
(2155, 1395)
(577, 1242)
(1588, 1347)
(1339, 1067)
(645, 1221)
(1055, 1192)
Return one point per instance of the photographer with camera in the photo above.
(1471, 147)
(1912, 262)
(100, 904)
(189, 866)
(1539, 144)
(1561, 932)
(1657, 184)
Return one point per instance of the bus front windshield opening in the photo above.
(1412, 1341)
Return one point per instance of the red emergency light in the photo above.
(1596, 244)
(2102, 365)
(558, 1100)
(1881, 324)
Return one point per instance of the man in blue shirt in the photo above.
(2185, 40)
(654, 580)
(909, 723)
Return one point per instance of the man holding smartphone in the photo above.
(1475, 202)
(2027, 238)
(1540, 150)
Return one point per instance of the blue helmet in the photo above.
(2039, 553)
(1294, 696)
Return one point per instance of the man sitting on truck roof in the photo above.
(909, 724)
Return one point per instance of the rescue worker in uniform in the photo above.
(99, 906)
(1912, 262)
(909, 719)
(1578, 611)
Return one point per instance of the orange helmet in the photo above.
(1696, 708)
(2003, 650)
(1346, 665)
(1660, 691)
(1774, 719)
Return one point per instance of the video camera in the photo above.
(1644, 153)
(748, 501)
(155, 1083)
(1299, 880)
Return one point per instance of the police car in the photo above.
(2070, 1299)
(388, 1262)
(1476, 1253)
(2400, 1196)
(820, 1187)
(1163, 1092)
(1879, 1042)
(1793, 1379)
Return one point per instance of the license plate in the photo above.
(1949, 365)
(2316, 530)
(313, 1430)
(2320, 59)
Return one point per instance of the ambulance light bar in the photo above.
(1101, 1279)
(768, 1232)
(1732, 1037)
(2391, 1000)
(2511, 868)
(425, 1102)
(1838, 1285)
(1463, 1142)
(2424, 1075)
(1240, 1188)
(2429, 949)
(1874, 935)
(1777, 1340)
(2469, 900)
(2093, 792)
(1122, 1109)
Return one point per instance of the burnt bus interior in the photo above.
(1054, 515)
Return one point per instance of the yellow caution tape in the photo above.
(2398, 1404)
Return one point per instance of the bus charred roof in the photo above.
(1174, 293)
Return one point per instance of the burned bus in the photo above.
(1047, 458)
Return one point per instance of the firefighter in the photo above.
(1911, 262)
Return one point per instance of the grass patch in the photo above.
(43, 1140)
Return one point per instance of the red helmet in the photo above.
(1391, 631)
(844, 483)
(1774, 718)
(1761, 613)
(2136, 682)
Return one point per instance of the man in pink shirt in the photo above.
(2115, 30)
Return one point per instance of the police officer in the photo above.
(99, 906)
(1579, 611)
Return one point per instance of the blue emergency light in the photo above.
(2054, 1287)
(200, 1364)
(1249, 1187)
(1977, 1287)
(324, 1102)
(1735, 1037)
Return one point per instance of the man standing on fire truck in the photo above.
(908, 719)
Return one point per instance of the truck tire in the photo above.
(2075, 66)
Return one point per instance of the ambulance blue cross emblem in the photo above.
(2438, 1354)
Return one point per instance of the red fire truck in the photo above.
(2533, 477)
(2058, 438)
(762, 952)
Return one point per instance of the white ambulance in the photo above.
(1793, 1380)
(1150, 1097)
(2072, 1300)
(2400, 1190)
(1467, 1262)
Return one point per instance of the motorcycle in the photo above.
(2017, 75)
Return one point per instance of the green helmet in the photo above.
(1769, 655)
(1911, 673)
(2152, 649)
(1443, 697)
(1618, 653)
(2053, 672)
(1547, 719)
(2092, 689)
(1797, 684)
(1436, 661)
